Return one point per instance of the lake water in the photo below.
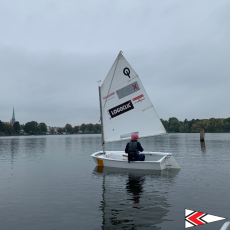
(52, 183)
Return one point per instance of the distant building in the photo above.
(54, 129)
(12, 121)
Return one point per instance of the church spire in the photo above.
(13, 116)
(12, 121)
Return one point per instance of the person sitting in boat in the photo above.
(133, 148)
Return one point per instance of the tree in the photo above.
(8, 128)
(83, 127)
(227, 127)
(195, 128)
(182, 129)
(22, 127)
(32, 127)
(186, 128)
(174, 124)
(17, 127)
(97, 127)
(218, 125)
(210, 128)
(76, 129)
(90, 127)
(69, 128)
(43, 127)
(1, 127)
(59, 130)
(165, 124)
(227, 120)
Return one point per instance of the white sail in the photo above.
(126, 107)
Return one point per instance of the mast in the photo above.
(101, 119)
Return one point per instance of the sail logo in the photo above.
(111, 94)
(138, 98)
(128, 90)
(120, 109)
(126, 71)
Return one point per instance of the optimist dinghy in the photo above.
(125, 109)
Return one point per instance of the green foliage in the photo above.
(186, 128)
(43, 127)
(8, 129)
(212, 125)
(165, 124)
(69, 128)
(32, 128)
(226, 127)
(174, 124)
(90, 127)
(83, 127)
(17, 127)
(1, 127)
(59, 130)
(76, 129)
(97, 128)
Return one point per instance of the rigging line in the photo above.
(112, 79)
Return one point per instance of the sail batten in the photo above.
(126, 106)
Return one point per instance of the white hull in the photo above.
(153, 160)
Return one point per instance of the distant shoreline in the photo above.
(26, 135)
(8, 135)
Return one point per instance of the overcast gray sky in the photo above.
(53, 52)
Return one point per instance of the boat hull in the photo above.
(153, 160)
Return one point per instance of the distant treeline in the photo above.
(212, 125)
(84, 128)
(34, 128)
(173, 125)
(30, 128)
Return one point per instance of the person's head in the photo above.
(134, 137)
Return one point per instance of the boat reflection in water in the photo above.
(134, 199)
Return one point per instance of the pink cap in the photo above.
(134, 137)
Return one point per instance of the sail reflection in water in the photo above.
(134, 199)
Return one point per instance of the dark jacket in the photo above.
(139, 147)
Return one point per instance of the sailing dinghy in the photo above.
(125, 109)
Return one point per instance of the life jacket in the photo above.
(132, 151)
